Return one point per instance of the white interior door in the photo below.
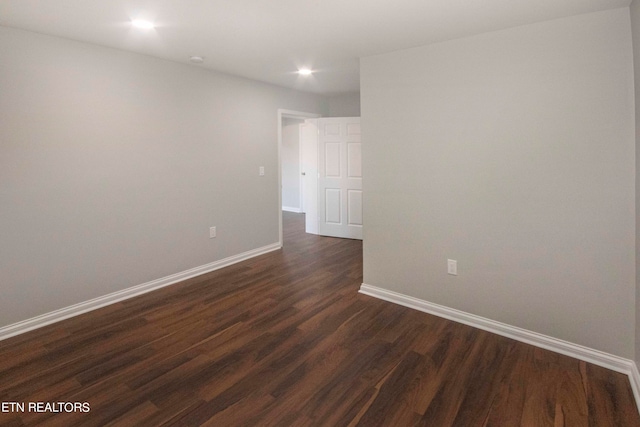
(309, 171)
(340, 177)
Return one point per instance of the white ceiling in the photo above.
(268, 39)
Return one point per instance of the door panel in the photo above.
(354, 208)
(332, 160)
(353, 128)
(332, 129)
(333, 206)
(340, 177)
(354, 160)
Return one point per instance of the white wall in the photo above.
(512, 152)
(113, 166)
(635, 26)
(291, 163)
(344, 105)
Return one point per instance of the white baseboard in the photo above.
(587, 354)
(634, 379)
(289, 209)
(93, 304)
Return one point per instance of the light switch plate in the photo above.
(452, 267)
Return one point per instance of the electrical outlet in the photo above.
(261, 171)
(212, 232)
(452, 267)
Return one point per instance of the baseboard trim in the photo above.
(634, 379)
(289, 209)
(590, 355)
(93, 304)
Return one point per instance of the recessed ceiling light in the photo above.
(140, 23)
(197, 59)
(304, 71)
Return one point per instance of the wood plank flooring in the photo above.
(285, 340)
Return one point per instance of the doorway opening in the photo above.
(290, 178)
(292, 183)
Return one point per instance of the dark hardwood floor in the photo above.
(285, 340)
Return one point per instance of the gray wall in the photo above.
(344, 105)
(635, 26)
(113, 166)
(291, 163)
(512, 152)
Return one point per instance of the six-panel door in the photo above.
(340, 177)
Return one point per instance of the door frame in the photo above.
(290, 114)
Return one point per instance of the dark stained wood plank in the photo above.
(285, 339)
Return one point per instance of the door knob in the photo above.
(304, 173)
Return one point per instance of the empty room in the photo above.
(356, 213)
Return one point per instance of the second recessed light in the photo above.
(304, 71)
(141, 23)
